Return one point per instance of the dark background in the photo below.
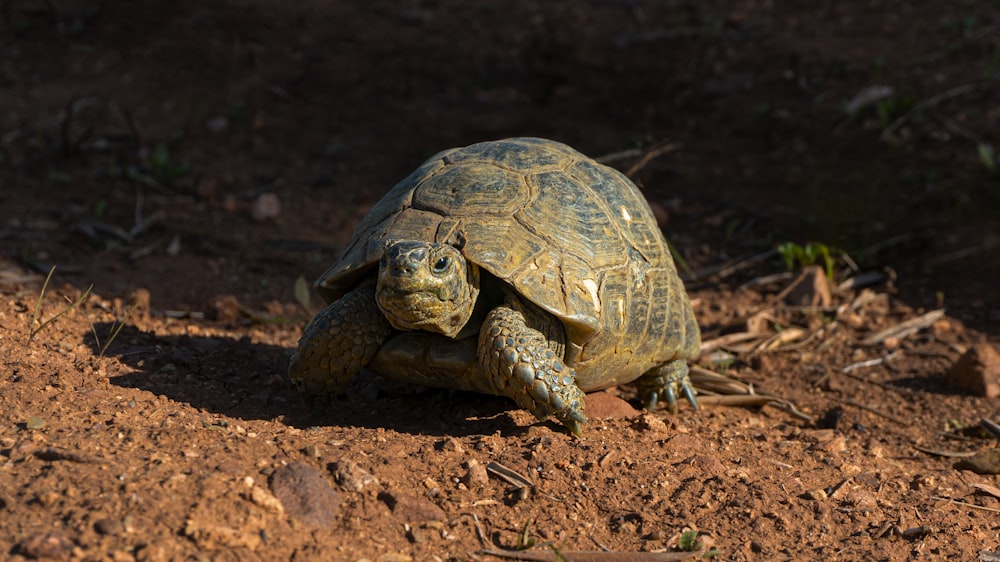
(188, 112)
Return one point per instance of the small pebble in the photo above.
(35, 422)
(649, 422)
(108, 526)
(150, 553)
(983, 462)
(51, 544)
(451, 445)
(475, 475)
(977, 371)
(230, 467)
(351, 476)
(818, 494)
(709, 467)
(414, 509)
(224, 308)
(265, 499)
(267, 206)
(305, 494)
(217, 124)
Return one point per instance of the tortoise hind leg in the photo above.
(337, 343)
(664, 382)
(519, 361)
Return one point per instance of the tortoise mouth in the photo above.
(407, 309)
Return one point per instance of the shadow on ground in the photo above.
(246, 380)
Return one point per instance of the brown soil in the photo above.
(204, 156)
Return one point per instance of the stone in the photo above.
(150, 553)
(977, 371)
(141, 306)
(651, 423)
(475, 475)
(810, 288)
(265, 499)
(225, 308)
(305, 494)
(53, 545)
(862, 499)
(707, 466)
(450, 445)
(267, 206)
(983, 462)
(108, 526)
(834, 444)
(604, 405)
(686, 443)
(412, 509)
(351, 477)
(816, 494)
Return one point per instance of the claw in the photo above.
(574, 422)
(688, 392)
(671, 397)
(651, 400)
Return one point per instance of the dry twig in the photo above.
(904, 329)
(966, 504)
(875, 411)
(727, 269)
(943, 453)
(929, 102)
(986, 489)
(727, 340)
(509, 476)
(650, 155)
(991, 426)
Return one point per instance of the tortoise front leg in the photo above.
(520, 363)
(338, 342)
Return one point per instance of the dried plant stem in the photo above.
(32, 330)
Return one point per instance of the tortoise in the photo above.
(517, 267)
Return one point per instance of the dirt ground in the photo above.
(191, 161)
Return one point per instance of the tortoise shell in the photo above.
(571, 235)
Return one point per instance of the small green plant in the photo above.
(682, 263)
(116, 327)
(164, 170)
(892, 108)
(801, 256)
(32, 328)
(988, 157)
(524, 540)
(689, 541)
(557, 554)
(100, 208)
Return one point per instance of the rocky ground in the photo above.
(194, 165)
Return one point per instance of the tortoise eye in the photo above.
(442, 264)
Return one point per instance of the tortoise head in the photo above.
(426, 286)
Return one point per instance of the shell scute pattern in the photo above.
(573, 236)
